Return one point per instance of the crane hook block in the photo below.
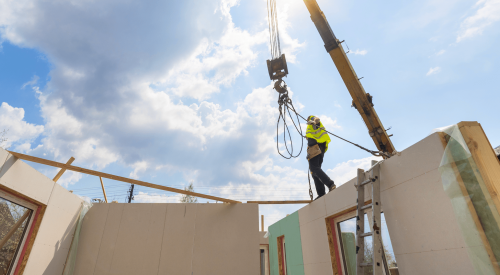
(277, 67)
(280, 86)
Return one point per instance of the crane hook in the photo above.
(280, 86)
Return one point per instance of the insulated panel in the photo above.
(436, 262)
(151, 257)
(422, 157)
(131, 242)
(420, 218)
(91, 235)
(171, 239)
(290, 228)
(109, 236)
(22, 178)
(423, 222)
(314, 239)
(216, 225)
(177, 252)
(55, 233)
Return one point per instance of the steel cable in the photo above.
(375, 153)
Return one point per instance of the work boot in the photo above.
(332, 187)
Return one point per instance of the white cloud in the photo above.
(346, 171)
(359, 52)
(487, 13)
(289, 45)
(329, 123)
(139, 166)
(432, 71)
(224, 60)
(69, 178)
(19, 132)
(118, 82)
(32, 82)
(440, 52)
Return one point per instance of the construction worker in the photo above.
(317, 145)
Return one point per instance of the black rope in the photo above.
(375, 153)
(309, 179)
(284, 103)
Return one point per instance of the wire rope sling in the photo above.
(278, 69)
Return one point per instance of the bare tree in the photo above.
(10, 213)
(189, 198)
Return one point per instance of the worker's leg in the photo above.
(320, 187)
(319, 181)
(315, 167)
(329, 181)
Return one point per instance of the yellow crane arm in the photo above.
(361, 100)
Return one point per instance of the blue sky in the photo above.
(176, 92)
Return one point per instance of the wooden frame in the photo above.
(61, 172)
(488, 170)
(281, 202)
(32, 228)
(266, 251)
(114, 177)
(281, 255)
(332, 238)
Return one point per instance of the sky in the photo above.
(174, 92)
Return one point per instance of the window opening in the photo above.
(262, 262)
(14, 220)
(390, 258)
(347, 237)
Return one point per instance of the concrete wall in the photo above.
(53, 238)
(169, 239)
(424, 231)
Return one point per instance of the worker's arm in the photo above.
(361, 100)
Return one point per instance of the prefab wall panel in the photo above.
(169, 239)
(423, 225)
(289, 228)
(48, 252)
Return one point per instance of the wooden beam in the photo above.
(61, 172)
(103, 190)
(114, 177)
(262, 223)
(280, 202)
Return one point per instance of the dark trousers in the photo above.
(319, 176)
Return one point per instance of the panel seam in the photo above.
(162, 235)
(100, 243)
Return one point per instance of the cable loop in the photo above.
(286, 100)
(284, 103)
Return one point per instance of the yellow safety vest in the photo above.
(320, 135)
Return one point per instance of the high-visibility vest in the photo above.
(320, 135)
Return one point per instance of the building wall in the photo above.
(288, 227)
(48, 252)
(264, 244)
(425, 234)
(169, 239)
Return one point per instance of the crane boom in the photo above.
(361, 100)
